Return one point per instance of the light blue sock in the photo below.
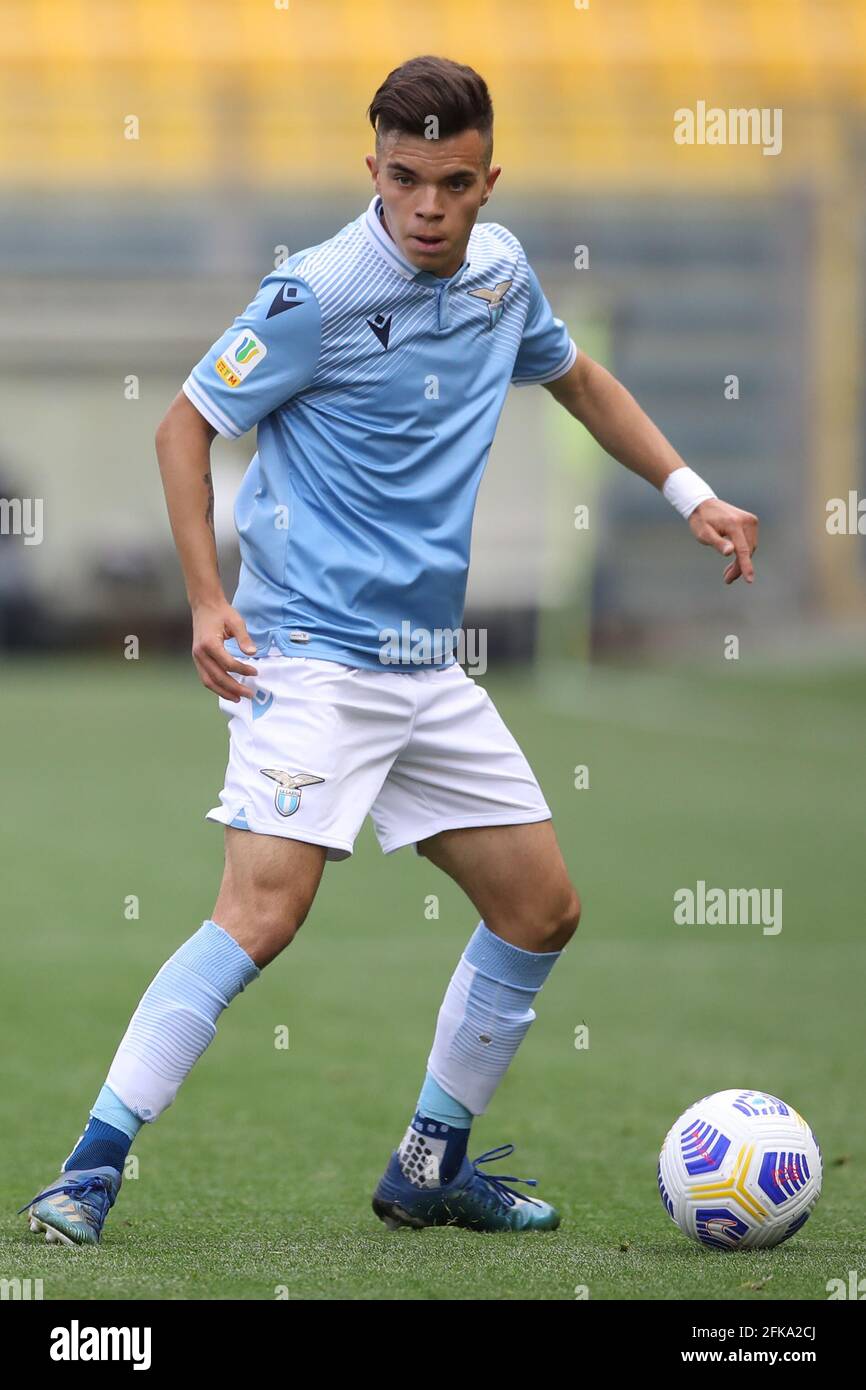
(436, 1104)
(485, 1015)
(112, 1110)
(176, 1019)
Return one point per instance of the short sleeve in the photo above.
(269, 354)
(546, 350)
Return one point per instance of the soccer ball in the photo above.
(739, 1170)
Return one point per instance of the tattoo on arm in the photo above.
(208, 482)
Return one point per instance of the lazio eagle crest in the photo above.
(287, 797)
(493, 299)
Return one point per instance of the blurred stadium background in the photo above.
(121, 260)
(124, 258)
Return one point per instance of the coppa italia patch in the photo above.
(239, 358)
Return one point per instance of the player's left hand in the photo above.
(729, 530)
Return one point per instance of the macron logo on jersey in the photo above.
(285, 298)
(381, 326)
(239, 358)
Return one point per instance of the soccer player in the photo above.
(375, 366)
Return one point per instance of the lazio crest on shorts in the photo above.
(287, 797)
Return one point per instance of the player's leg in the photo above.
(268, 886)
(516, 878)
(307, 756)
(267, 889)
(465, 794)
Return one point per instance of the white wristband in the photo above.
(685, 490)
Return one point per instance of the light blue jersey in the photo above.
(376, 388)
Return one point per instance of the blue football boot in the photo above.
(410, 1194)
(73, 1210)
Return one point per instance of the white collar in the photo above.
(391, 254)
(382, 242)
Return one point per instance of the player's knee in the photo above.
(563, 921)
(279, 921)
(278, 916)
(543, 925)
(264, 923)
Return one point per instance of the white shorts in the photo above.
(322, 744)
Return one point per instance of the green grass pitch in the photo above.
(258, 1179)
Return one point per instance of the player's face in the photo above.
(431, 193)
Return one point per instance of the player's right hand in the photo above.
(212, 625)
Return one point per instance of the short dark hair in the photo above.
(427, 86)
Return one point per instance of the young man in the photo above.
(375, 366)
